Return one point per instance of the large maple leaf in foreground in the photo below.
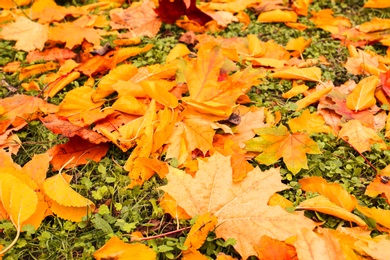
(241, 207)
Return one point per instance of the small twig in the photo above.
(162, 235)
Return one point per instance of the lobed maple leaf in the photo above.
(28, 35)
(276, 143)
(241, 208)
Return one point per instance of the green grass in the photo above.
(122, 211)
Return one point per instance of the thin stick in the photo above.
(162, 235)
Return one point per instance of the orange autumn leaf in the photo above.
(101, 64)
(140, 20)
(299, 44)
(61, 126)
(279, 200)
(278, 15)
(301, 6)
(119, 250)
(312, 246)
(362, 96)
(18, 109)
(55, 53)
(333, 191)
(295, 90)
(276, 143)
(325, 20)
(381, 216)
(377, 4)
(312, 98)
(36, 69)
(79, 108)
(324, 205)
(269, 248)
(27, 34)
(73, 35)
(76, 151)
(200, 230)
(310, 123)
(169, 206)
(241, 208)
(360, 136)
(310, 74)
(8, 4)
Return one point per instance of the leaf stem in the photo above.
(12, 244)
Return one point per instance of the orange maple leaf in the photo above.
(241, 208)
(275, 143)
(76, 151)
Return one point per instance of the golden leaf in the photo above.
(310, 123)
(310, 74)
(200, 230)
(333, 191)
(58, 189)
(119, 250)
(324, 205)
(362, 96)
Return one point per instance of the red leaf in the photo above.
(66, 128)
(76, 151)
(385, 80)
(170, 11)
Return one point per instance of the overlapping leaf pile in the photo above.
(193, 109)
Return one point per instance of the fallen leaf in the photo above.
(21, 108)
(66, 202)
(17, 198)
(276, 143)
(73, 35)
(360, 136)
(76, 151)
(28, 35)
(141, 20)
(381, 216)
(324, 205)
(312, 98)
(376, 4)
(55, 53)
(333, 191)
(200, 230)
(362, 96)
(269, 248)
(236, 205)
(312, 246)
(277, 15)
(310, 74)
(119, 250)
(310, 123)
(66, 128)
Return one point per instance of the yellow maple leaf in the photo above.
(241, 207)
